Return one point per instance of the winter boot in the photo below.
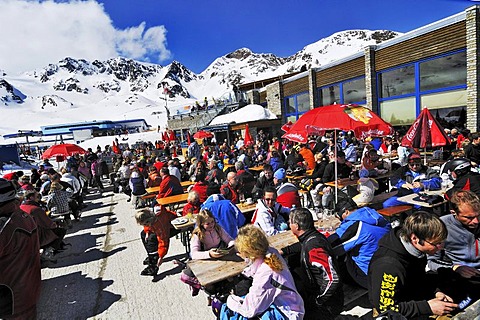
(151, 269)
(48, 255)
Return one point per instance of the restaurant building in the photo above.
(435, 66)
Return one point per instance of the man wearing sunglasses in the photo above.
(397, 281)
(461, 249)
(270, 216)
(412, 178)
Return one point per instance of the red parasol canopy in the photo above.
(426, 131)
(248, 141)
(171, 136)
(201, 134)
(287, 126)
(362, 121)
(165, 136)
(65, 150)
(189, 137)
(115, 148)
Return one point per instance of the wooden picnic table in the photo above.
(173, 200)
(409, 199)
(257, 168)
(186, 231)
(244, 208)
(215, 270)
(227, 166)
(184, 184)
(345, 182)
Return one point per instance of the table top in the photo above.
(214, 270)
(409, 199)
(347, 182)
(190, 223)
(247, 207)
(179, 198)
(257, 168)
(153, 189)
(187, 183)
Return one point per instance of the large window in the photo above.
(397, 82)
(329, 95)
(354, 91)
(436, 83)
(350, 91)
(296, 105)
(443, 72)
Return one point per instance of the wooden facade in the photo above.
(446, 39)
(295, 86)
(350, 69)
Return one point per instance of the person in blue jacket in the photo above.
(356, 239)
(227, 215)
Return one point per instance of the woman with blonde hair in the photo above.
(209, 241)
(272, 284)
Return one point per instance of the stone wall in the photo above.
(274, 98)
(371, 79)
(473, 68)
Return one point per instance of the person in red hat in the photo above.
(413, 177)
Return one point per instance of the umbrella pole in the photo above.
(336, 167)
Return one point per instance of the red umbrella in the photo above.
(171, 136)
(201, 134)
(362, 121)
(65, 150)
(287, 126)
(189, 137)
(426, 131)
(248, 141)
(165, 136)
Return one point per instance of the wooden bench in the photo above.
(379, 199)
(395, 210)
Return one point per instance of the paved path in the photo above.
(98, 277)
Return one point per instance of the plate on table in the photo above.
(180, 220)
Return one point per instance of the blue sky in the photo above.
(194, 32)
(200, 31)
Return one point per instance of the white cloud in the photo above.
(137, 43)
(36, 33)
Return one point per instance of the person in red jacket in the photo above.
(49, 233)
(287, 193)
(155, 236)
(193, 204)
(20, 277)
(200, 186)
(307, 155)
(229, 188)
(170, 185)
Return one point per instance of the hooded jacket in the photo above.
(19, 263)
(269, 219)
(45, 225)
(358, 235)
(395, 279)
(228, 216)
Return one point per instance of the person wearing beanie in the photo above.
(366, 188)
(356, 239)
(287, 193)
(20, 278)
(412, 178)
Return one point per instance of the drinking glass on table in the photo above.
(241, 198)
(426, 187)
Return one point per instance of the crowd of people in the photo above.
(428, 265)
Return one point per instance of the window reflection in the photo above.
(398, 112)
(354, 91)
(443, 72)
(397, 82)
(329, 95)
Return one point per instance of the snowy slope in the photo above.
(78, 90)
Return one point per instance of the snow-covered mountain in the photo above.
(77, 90)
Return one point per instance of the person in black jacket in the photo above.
(263, 181)
(472, 150)
(316, 278)
(464, 178)
(396, 276)
(321, 162)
